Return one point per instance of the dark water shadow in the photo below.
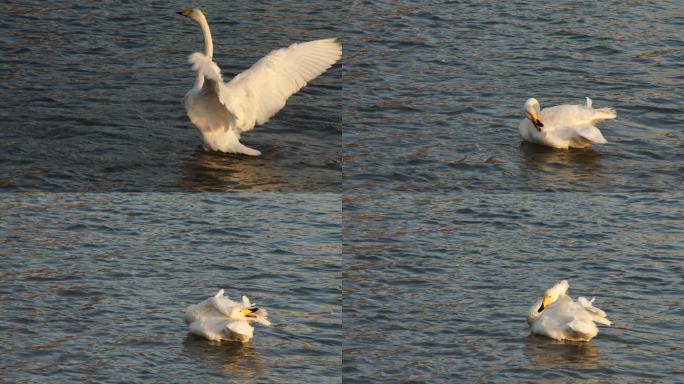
(215, 171)
(577, 164)
(549, 353)
(238, 360)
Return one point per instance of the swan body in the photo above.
(219, 318)
(559, 317)
(563, 126)
(223, 111)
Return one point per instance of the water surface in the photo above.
(434, 92)
(94, 286)
(437, 288)
(90, 98)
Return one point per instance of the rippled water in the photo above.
(433, 94)
(94, 286)
(436, 288)
(451, 226)
(90, 98)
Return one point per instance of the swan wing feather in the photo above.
(258, 93)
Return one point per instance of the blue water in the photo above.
(90, 98)
(94, 286)
(433, 95)
(436, 288)
(432, 228)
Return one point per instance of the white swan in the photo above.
(222, 112)
(219, 318)
(559, 317)
(563, 126)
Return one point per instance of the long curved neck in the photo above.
(208, 46)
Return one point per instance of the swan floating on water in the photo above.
(563, 126)
(559, 317)
(223, 111)
(219, 318)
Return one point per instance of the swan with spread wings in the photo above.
(223, 111)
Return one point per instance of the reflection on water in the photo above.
(272, 171)
(549, 164)
(240, 361)
(548, 353)
(214, 171)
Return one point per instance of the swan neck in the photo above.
(208, 46)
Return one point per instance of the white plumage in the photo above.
(559, 317)
(223, 111)
(563, 126)
(219, 318)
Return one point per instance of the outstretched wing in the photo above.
(258, 93)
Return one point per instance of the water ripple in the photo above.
(436, 287)
(445, 83)
(93, 286)
(91, 99)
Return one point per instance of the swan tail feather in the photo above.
(597, 315)
(605, 113)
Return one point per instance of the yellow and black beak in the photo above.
(185, 12)
(545, 303)
(249, 312)
(535, 120)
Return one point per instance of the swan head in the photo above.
(531, 111)
(240, 313)
(195, 14)
(550, 296)
(247, 312)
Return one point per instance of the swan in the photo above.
(563, 126)
(559, 317)
(223, 111)
(219, 318)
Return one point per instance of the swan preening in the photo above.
(558, 316)
(219, 318)
(223, 111)
(563, 126)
